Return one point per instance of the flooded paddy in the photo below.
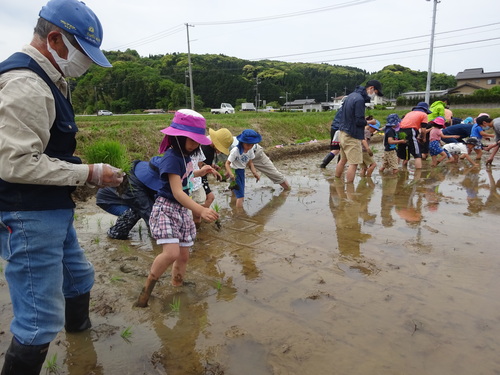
(390, 275)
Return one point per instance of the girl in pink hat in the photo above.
(435, 136)
(171, 223)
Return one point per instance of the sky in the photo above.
(367, 34)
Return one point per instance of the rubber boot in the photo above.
(124, 225)
(77, 313)
(146, 292)
(328, 158)
(24, 359)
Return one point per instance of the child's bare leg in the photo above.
(434, 160)
(179, 266)
(370, 169)
(443, 156)
(479, 153)
(162, 261)
(239, 202)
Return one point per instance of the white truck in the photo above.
(247, 107)
(225, 108)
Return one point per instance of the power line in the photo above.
(286, 15)
(374, 44)
(405, 51)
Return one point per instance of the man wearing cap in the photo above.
(48, 275)
(414, 126)
(352, 125)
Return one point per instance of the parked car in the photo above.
(104, 112)
(247, 107)
(225, 108)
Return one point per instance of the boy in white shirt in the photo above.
(239, 158)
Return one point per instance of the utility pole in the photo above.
(327, 92)
(431, 50)
(190, 67)
(257, 95)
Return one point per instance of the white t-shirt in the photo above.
(196, 159)
(240, 161)
(455, 148)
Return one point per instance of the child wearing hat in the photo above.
(411, 125)
(390, 144)
(221, 141)
(170, 222)
(368, 165)
(239, 158)
(478, 131)
(435, 136)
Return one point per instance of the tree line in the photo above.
(137, 83)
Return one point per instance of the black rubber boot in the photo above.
(24, 359)
(77, 313)
(124, 225)
(328, 158)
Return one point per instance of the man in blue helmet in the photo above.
(47, 272)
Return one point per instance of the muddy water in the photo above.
(391, 275)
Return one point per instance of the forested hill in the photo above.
(136, 83)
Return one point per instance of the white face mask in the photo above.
(75, 64)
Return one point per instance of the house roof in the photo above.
(476, 73)
(466, 84)
(301, 102)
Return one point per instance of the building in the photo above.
(471, 80)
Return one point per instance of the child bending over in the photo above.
(239, 158)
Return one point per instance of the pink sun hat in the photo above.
(186, 123)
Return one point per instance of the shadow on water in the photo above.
(392, 274)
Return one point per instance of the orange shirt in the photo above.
(413, 120)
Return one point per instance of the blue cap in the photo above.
(376, 126)
(77, 19)
(393, 120)
(422, 106)
(249, 136)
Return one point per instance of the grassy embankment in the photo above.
(141, 133)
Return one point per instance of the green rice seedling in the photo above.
(96, 240)
(217, 209)
(402, 135)
(175, 306)
(126, 334)
(99, 220)
(51, 366)
(116, 278)
(218, 285)
(125, 248)
(110, 152)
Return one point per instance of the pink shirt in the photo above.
(435, 134)
(413, 120)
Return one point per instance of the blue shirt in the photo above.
(173, 163)
(476, 131)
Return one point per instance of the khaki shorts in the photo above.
(390, 160)
(350, 148)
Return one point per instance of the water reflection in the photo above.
(81, 355)
(348, 205)
(492, 203)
